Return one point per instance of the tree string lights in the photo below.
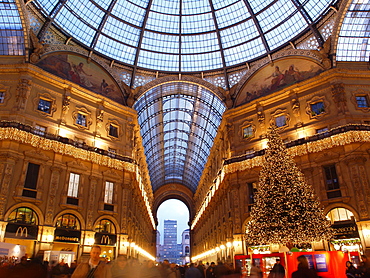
(286, 208)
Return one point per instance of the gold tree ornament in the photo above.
(286, 208)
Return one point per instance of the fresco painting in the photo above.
(276, 76)
(88, 75)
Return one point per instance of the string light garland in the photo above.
(286, 208)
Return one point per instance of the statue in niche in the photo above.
(38, 47)
(323, 53)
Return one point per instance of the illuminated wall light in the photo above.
(222, 247)
(90, 241)
(132, 244)
(50, 238)
(100, 144)
(264, 143)
(228, 244)
(63, 132)
(301, 133)
(217, 249)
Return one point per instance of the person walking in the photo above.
(94, 268)
(303, 270)
(256, 271)
(277, 271)
(193, 272)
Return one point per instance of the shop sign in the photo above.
(64, 235)
(345, 229)
(22, 231)
(105, 239)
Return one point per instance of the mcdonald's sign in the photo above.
(105, 239)
(22, 231)
(14, 230)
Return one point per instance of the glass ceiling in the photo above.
(184, 35)
(353, 42)
(179, 122)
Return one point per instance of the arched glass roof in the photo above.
(353, 42)
(184, 35)
(11, 29)
(179, 122)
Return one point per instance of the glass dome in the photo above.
(184, 35)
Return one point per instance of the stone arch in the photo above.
(184, 79)
(28, 205)
(174, 191)
(73, 212)
(342, 205)
(110, 218)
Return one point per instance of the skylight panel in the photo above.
(140, 3)
(316, 7)
(206, 43)
(47, 5)
(246, 51)
(127, 11)
(166, 6)
(201, 62)
(199, 23)
(218, 4)
(258, 5)
(78, 29)
(285, 31)
(158, 61)
(103, 3)
(116, 50)
(88, 11)
(121, 31)
(231, 14)
(275, 14)
(193, 7)
(163, 23)
(238, 34)
(160, 42)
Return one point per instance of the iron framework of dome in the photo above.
(184, 35)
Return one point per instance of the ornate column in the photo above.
(51, 200)
(7, 163)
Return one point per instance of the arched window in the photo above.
(23, 215)
(186, 236)
(105, 226)
(187, 249)
(340, 214)
(68, 221)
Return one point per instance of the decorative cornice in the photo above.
(9, 133)
(305, 149)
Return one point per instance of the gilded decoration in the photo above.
(9, 133)
(280, 118)
(304, 149)
(248, 130)
(82, 118)
(4, 95)
(360, 99)
(317, 107)
(41, 109)
(114, 129)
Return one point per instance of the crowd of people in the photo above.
(123, 267)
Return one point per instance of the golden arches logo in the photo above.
(22, 231)
(105, 239)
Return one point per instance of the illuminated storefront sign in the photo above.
(105, 239)
(64, 235)
(22, 231)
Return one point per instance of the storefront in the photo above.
(106, 238)
(67, 234)
(346, 235)
(22, 229)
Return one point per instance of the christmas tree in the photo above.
(286, 208)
